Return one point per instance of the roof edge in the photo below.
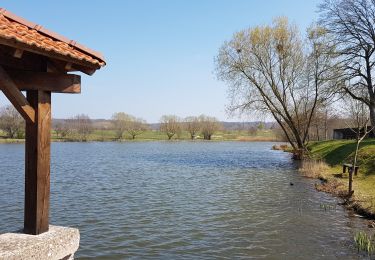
(51, 34)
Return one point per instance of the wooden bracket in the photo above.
(16, 97)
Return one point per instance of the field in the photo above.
(154, 135)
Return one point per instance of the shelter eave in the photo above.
(84, 65)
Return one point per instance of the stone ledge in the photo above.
(58, 243)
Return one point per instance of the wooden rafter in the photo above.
(50, 54)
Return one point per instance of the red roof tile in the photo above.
(16, 28)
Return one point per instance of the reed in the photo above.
(313, 169)
(364, 242)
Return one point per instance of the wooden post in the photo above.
(37, 166)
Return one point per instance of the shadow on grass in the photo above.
(341, 153)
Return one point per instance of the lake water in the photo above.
(185, 200)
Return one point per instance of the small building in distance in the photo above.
(350, 133)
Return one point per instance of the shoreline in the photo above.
(334, 182)
(337, 189)
(19, 141)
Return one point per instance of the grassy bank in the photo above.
(335, 153)
(152, 135)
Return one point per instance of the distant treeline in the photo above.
(124, 126)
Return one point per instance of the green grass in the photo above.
(154, 135)
(337, 152)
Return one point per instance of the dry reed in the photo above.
(313, 169)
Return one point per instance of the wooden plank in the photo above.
(53, 82)
(37, 166)
(15, 96)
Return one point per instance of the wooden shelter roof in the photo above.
(18, 32)
(38, 61)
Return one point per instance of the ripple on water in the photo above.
(182, 200)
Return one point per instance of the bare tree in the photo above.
(271, 71)
(351, 23)
(170, 125)
(252, 130)
(82, 126)
(321, 122)
(192, 125)
(209, 125)
(11, 122)
(61, 129)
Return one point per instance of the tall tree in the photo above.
(352, 26)
(270, 70)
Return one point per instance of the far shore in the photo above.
(264, 135)
(16, 141)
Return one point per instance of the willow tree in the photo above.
(209, 125)
(170, 125)
(136, 126)
(123, 122)
(119, 121)
(270, 69)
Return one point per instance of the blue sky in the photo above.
(159, 53)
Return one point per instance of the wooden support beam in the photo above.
(53, 82)
(37, 166)
(15, 96)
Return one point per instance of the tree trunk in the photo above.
(350, 190)
(372, 115)
(354, 164)
(326, 125)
